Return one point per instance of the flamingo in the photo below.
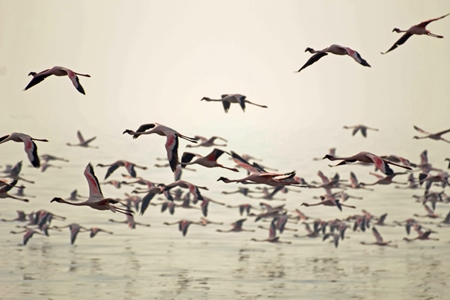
(329, 201)
(193, 189)
(74, 230)
(208, 161)
(384, 180)
(4, 192)
(430, 213)
(121, 163)
(333, 49)
(205, 222)
(28, 234)
(183, 225)
(130, 222)
(367, 157)
(21, 217)
(96, 200)
(241, 190)
(243, 208)
(227, 99)
(49, 157)
(379, 240)
(434, 136)
(418, 29)
(204, 142)
(422, 236)
(205, 203)
(361, 128)
(30, 146)
(95, 230)
(256, 175)
(83, 143)
(57, 71)
(272, 235)
(171, 139)
(310, 233)
(237, 227)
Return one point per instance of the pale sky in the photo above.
(152, 61)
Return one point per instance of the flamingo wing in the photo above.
(401, 41)
(425, 23)
(356, 56)
(80, 137)
(94, 186)
(377, 235)
(243, 163)
(313, 59)
(37, 79)
(172, 151)
(421, 130)
(76, 83)
(31, 150)
(226, 105)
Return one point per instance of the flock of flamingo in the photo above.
(267, 182)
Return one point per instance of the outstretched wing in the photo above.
(401, 41)
(313, 59)
(95, 191)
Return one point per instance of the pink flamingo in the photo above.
(208, 161)
(171, 139)
(183, 225)
(434, 136)
(367, 157)
(57, 71)
(227, 99)
(362, 128)
(30, 146)
(379, 240)
(237, 227)
(418, 29)
(121, 163)
(28, 234)
(272, 235)
(96, 199)
(333, 49)
(82, 142)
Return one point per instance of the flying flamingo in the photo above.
(122, 163)
(28, 234)
(49, 157)
(74, 230)
(333, 49)
(422, 236)
(361, 128)
(227, 99)
(366, 157)
(4, 192)
(96, 200)
(57, 71)
(272, 235)
(21, 217)
(379, 240)
(193, 189)
(30, 146)
(171, 139)
(434, 136)
(257, 175)
(95, 230)
(208, 161)
(83, 143)
(204, 142)
(183, 225)
(237, 227)
(418, 29)
(130, 222)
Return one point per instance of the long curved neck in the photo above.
(209, 99)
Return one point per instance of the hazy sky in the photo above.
(152, 61)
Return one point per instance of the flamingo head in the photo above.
(396, 30)
(310, 50)
(223, 179)
(328, 156)
(205, 98)
(57, 199)
(32, 73)
(415, 137)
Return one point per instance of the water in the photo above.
(157, 262)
